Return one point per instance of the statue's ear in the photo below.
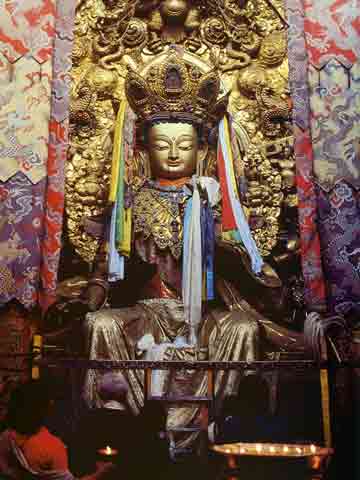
(201, 155)
(202, 152)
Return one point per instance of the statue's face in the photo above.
(174, 8)
(173, 150)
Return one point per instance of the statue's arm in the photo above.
(264, 290)
(96, 292)
(123, 292)
(267, 276)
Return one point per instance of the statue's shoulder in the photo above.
(138, 184)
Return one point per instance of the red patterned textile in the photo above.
(325, 84)
(35, 60)
(58, 143)
(332, 31)
(315, 292)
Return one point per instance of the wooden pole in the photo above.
(325, 396)
(36, 351)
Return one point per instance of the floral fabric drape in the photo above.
(328, 72)
(332, 30)
(309, 236)
(35, 46)
(339, 220)
(58, 143)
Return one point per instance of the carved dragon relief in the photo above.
(246, 40)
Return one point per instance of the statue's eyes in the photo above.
(161, 146)
(186, 146)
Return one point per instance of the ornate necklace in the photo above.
(158, 212)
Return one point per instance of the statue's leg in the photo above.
(230, 336)
(236, 337)
(112, 334)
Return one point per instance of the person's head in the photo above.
(174, 149)
(29, 406)
(113, 386)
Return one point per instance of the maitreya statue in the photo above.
(177, 248)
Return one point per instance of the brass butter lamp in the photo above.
(317, 457)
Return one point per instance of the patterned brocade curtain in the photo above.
(35, 60)
(329, 60)
(332, 32)
(315, 295)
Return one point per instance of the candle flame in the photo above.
(313, 448)
(108, 450)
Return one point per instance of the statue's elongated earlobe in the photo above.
(201, 156)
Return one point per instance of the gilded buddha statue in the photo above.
(177, 241)
(180, 139)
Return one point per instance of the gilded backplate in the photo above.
(246, 40)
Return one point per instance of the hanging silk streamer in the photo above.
(208, 248)
(192, 265)
(120, 231)
(115, 167)
(228, 220)
(198, 252)
(230, 195)
(120, 197)
(123, 215)
(212, 189)
(116, 261)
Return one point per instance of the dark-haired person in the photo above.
(27, 449)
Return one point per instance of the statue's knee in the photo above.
(98, 320)
(253, 328)
(242, 322)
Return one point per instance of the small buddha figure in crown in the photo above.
(173, 21)
(159, 260)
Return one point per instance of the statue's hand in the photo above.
(267, 277)
(63, 313)
(95, 296)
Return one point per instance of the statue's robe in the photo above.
(124, 333)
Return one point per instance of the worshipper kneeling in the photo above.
(27, 448)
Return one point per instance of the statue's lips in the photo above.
(174, 13)
(174, 164)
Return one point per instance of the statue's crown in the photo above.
(174, 88)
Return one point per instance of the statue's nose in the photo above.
(173, 153)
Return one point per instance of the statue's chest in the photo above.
(159, 214)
